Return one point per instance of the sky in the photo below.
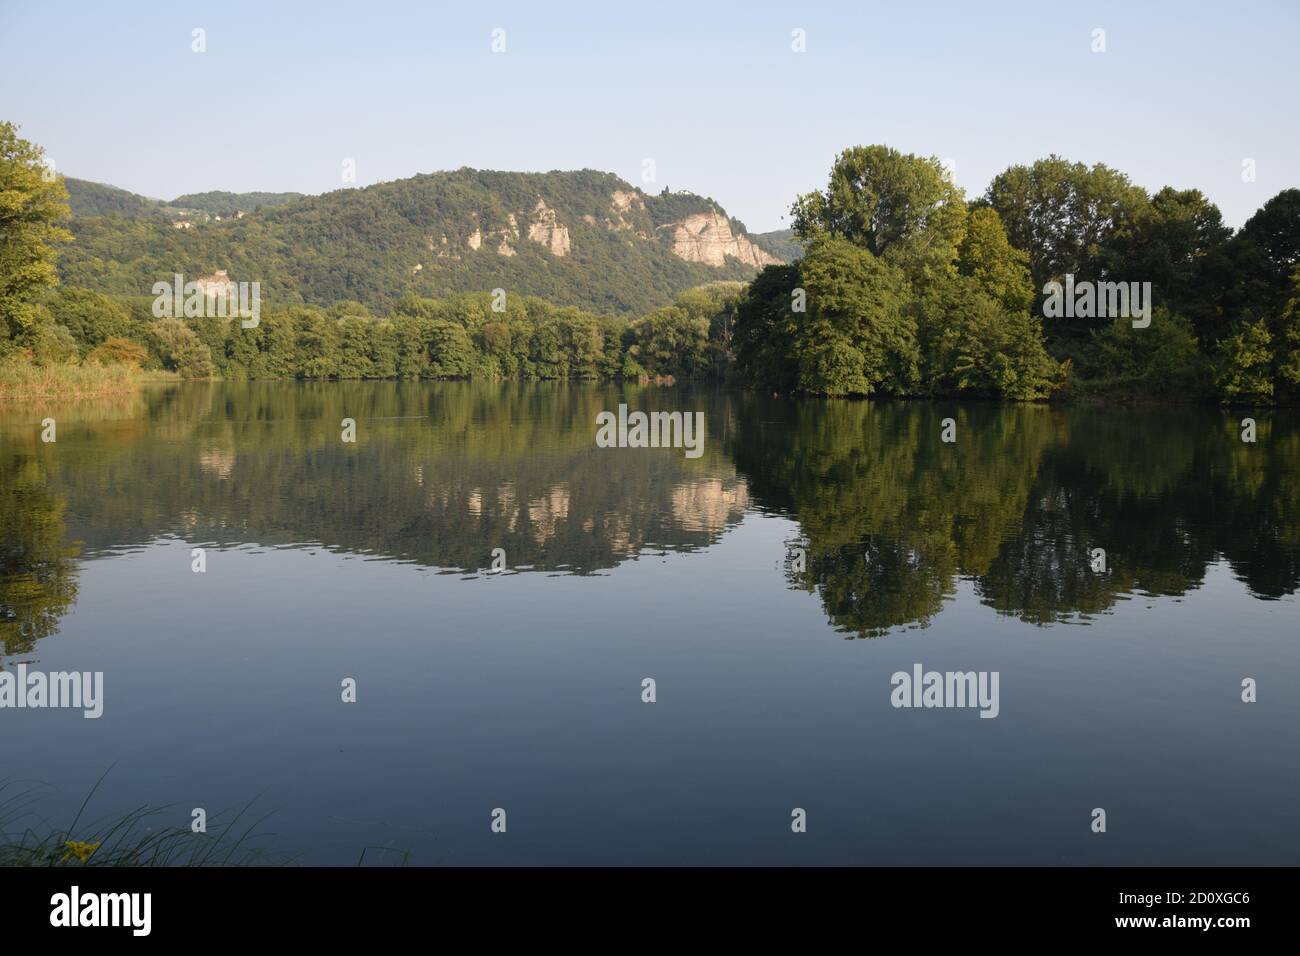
(1184, 94)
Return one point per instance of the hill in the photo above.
(86, 198)
(99, 199)
(583, 238)
(781, 243)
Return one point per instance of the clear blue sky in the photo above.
(711, 91)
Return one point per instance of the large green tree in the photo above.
(1264, 254)
(765, 328)
(1000, 269)
(32, 202)
(856, 337)
(90, 316)
(1178, 243)
(897, 206)
(1065, 215)
(974, 343)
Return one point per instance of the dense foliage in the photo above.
(901, 290)
(896, 285)
(461, 336)
(904, 288)
(221, 203)
(31, 203)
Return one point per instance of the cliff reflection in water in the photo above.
(442, 473)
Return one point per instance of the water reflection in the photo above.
(893, 517)
(38, 583)
(441, 474)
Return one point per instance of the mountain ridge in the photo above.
(584, 238)
(90, 198)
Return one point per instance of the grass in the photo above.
(131, 839)
(134, 839)
(21, 380)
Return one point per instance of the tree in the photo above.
(355, 332)
(317, 344)
(52, 344)
(764, 331)
(412, 345)
(1064, 214)
(856, 338)
(1287, 372)
(584, 341)
(1000, 269)
(1262, 257)
(1162, 359)
(1178, 243)
(117, 351)
(671, 341)
(1245, 361)
(215, 334)
(1275, 230)
(901, 207)
(450, 351)
(181, 350)
(32, 202)
(383, 350)
(90, 316)
(974, 344)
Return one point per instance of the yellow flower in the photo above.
(81, 851)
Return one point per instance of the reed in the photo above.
(130, 839)
(24, 381)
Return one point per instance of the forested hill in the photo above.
(781, 243)
(99, 199)
(219, 203)
(86, 198)
(584, 238)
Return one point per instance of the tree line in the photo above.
(903, 288)
(469, 336)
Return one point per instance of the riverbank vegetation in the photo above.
(140, 837)
(903, 287)
(23, 380)
(907, 289)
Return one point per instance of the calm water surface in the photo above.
(770, 587)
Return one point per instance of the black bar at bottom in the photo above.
(308, 905)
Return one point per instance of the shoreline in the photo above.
(22, 382)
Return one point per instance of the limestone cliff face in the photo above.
(621, 201)
(704, 237)
(544, 228)
(623, 207)
(508, 235)
(707, 237)
(548, 231)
